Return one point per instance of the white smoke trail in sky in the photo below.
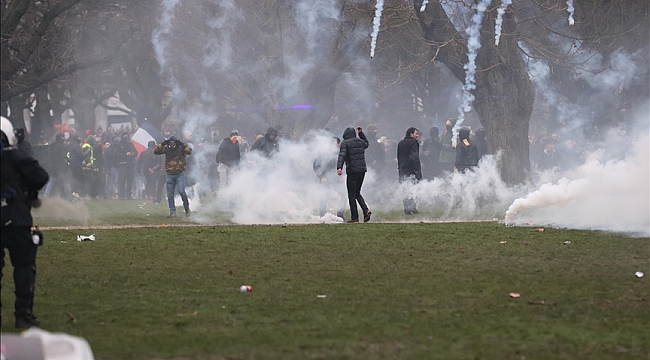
(161, 42)
(375, 27)
(570, 9)
(612, 196)
(424, 5)
(473, 45)
(499, 22)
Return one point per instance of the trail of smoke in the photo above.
(570, 9)
(160, 42)
(499, 23)
(424, 5)
(158, 37)
(375, 27)
(473, 45)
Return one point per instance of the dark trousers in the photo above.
(125, 181)
(22, 252)
(354, 182)
(161, 184)
(150, 184)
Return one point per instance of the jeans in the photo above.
(354, 182)
(173, 181)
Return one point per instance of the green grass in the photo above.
(407, 291)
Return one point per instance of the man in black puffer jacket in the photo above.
(408, 164)
(352, 153)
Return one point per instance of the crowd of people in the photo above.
(106, 165)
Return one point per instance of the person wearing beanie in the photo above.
(125, 156)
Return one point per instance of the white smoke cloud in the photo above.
(604, 195)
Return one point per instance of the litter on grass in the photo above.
(503, 242)
(638, 274)
(514, 295)
(567, 242)
(321, 296)
(86, 238)
(538, 230)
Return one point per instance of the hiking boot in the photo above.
(187, 213)
(172, 215)
(27, 321)
(352, 222)
(415, 211)
(366, 217)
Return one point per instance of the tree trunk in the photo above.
(504, 99)
(504, 93)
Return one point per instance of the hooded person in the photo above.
(22, 178)
(466, 153)
(352, 155)
(176, 153)
(145, 167)
(431, 155)
(268, 144)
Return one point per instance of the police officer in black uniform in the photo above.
(22, 177)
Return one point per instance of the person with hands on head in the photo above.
(352, 154)
(175, 152)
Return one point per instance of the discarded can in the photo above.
(539, 230)
(503, 242)
(567, 242)
(246, 288)
(514, 295)
(321, 296)
(639, 274)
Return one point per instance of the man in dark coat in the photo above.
(267, 144)
(466, 152)
(227, 158)
(431, 155)
(124, 157)
(352, 153)
(408, 164)
(22, 178)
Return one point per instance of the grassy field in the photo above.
(393, 291)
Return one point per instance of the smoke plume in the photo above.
(499, 22)
(473, 32)
(570, 9)
(375, 27)
(424, 5)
